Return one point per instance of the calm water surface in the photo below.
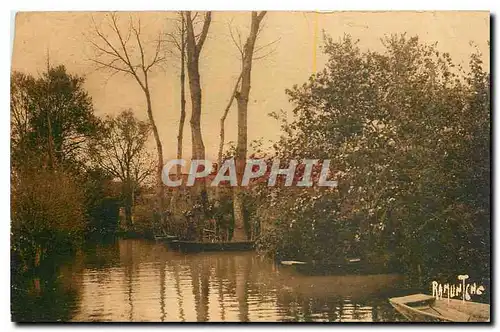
(137, 280)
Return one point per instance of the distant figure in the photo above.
(191, 232)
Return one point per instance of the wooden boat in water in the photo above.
(199, 246)
(165, 238)
(426, 308)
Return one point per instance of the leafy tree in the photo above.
(51, 116)
(407, 131)
(120, 150)
(51, 120)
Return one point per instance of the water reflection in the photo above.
(135, 280)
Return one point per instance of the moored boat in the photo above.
(426, 308)
(165, 238)
(199, 246)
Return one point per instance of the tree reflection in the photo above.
(46, 294)
(135, 280)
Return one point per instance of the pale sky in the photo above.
(63, 35)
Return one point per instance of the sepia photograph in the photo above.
(250, 166)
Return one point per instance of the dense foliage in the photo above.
(408, 135)
(54, 192)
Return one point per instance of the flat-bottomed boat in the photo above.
(426, 308)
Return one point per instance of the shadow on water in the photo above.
(48, 293)
(136, 280)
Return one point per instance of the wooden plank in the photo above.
(477, 312)
(412, 298)
(452, 314)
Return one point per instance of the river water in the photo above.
(139, 281)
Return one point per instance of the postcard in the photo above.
(264, 166)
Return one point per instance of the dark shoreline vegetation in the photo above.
(407, 132)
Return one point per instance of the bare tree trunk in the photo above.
(127, 191)
(241, 146)
(222, 131)
(180, 134)
(223, 120)
(198, 148)
(160, 189)
(183, 96)
(128, 208)
(239, 233)
(193, 49)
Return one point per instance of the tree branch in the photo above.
(204, 31)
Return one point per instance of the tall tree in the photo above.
(178, 39)
(242, 98)
(120, 150)
(194, 45)
(119, 54)
(52, 118)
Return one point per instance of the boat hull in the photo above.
(415, 316)
(425, 308)
(358, 268)
(165, 238)
(196, 246)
